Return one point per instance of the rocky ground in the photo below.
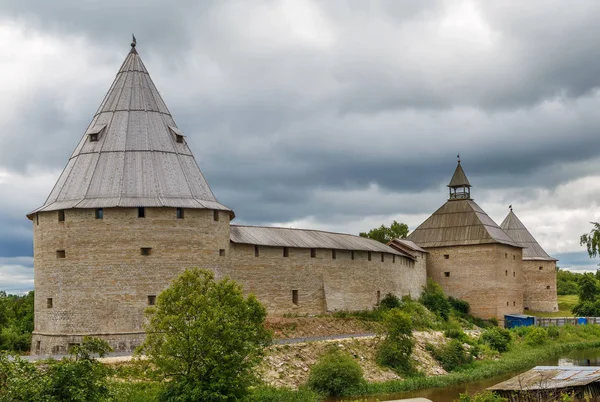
(302, 327)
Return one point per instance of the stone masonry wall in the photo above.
(102, 285)
(540, 286)
(488, 276)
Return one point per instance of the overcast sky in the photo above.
(336, 115)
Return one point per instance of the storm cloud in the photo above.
(337, 115)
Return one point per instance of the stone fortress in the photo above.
(132, 210)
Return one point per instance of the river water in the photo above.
(585, 357)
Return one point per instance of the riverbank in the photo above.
(132, 381)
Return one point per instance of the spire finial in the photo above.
(510, 207)
(458, 157)
(133, 42)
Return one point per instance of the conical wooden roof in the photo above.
(132, 154)
(532, 250)
(459, 222)
(459, 178)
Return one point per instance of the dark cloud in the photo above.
(332, 110)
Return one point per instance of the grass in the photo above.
(565, 305)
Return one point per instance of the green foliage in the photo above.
(462, 307)
(567, 282)
(420, 317)
(591, 240)
(497, 338)
(390, 301)
(16, 321)
(536, 336)
(589, 288)
(454, 330)
(452, 355)
(553, 332)
(396, 349)
(587, 309)
(485, 396)
(76, 380)
(435, 300)
(384, 234)
(336, 373)
(206, 338)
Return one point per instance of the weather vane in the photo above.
(133, 42)
(458, 157)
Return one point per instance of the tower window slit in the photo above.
(369, 255)
(216, 215)
(295, 296)
(179, 213)
(313, 253)
(286, 252)
(49, 302)
(333, 254)
(146, 250)
(141, 212)
(256, 251)
(151, 300)
(61, 215)
(61, 254)
(382, 257)
(99, 213)
(352, 255)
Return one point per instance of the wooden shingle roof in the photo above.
(532, 250)
(132, 154)
(459, 222)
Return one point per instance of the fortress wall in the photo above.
(488, 276)
(102, 285)
(540, 285)
(322, 283)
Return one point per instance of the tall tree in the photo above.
(384, 234)
(592, 240)
(206, 338)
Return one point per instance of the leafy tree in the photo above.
(567, 282)
(206, 338)
(396, 349)
(588, 288)
(384, 234)
(16, 321)
(435, 300)
(592, 240)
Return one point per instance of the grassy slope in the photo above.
(565, 304)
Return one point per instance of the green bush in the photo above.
(537, 336)
(451, 355)
(390, 301)
(396, 349)
(336, 373)
(460, 306)
(587, 309)
(435, 300)
(453, 329)
(553, 332)
(420, 317)
(497, 338)
(485, 396)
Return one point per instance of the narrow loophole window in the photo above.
(446, 274)
(369, 255)
(446, 256)
(378, 297)
(540, 268)
(505, 273)
(286, 252)
(333, 254)
(146, 250)
(256, 251)
(141, 212)
(514, 274)
(93, 137)
(393, 258)
(49, 302)
(61, 254)
(179, 139)
(505, 255)
(295, 296)
(99, 213)
(382, 257)
(37, 221)
(507, 303)
(179, 213)
(222, 252)
(352, 255)
(313, 253)
(514, 303)
(61, 215)
(547, 287)
(514, 257)
(151, 300)
(216, 215)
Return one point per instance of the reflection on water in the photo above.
(586, 357)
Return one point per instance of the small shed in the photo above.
(518, 320)
(547, 383)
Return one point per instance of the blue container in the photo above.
(581, 321)
(518, 320)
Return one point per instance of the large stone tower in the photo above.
(130, 210)
(539, 269)
(470, 256)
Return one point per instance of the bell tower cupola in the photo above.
(459, 187)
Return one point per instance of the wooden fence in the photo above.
(560, 321)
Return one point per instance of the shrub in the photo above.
(396, 349)
(587, 309)
(434, 299)
(553, 332)
(420, 317)
(451, 355)
(537, 336)
(485, 396)
(454, 330)
(497, 338)
(390, 301)
(460, 306)
(336, 373)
